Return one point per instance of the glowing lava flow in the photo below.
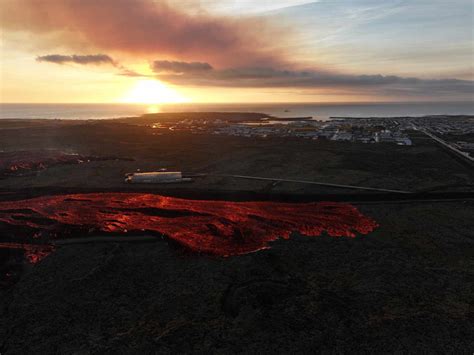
(17, 163)
(215, 227)
(33, 252)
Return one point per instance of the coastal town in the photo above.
(349, 130)
(456, 131)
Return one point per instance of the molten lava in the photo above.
(25, 162)
(20, 162)
(214, 227)
(33, 252)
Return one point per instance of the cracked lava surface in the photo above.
(20, 162)
(221, 228)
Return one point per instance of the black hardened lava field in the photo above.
(236, 177)
(92, 264)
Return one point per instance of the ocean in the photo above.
(317, 110)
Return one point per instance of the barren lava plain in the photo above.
(223, 265)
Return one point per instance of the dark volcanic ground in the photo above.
(406, 287)
(423, 166)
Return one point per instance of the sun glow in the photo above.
(152, 92)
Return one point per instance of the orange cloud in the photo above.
(142, 28)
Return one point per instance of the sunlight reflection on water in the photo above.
(153, 109)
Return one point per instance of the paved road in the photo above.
(447, 145)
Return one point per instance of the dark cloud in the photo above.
(94, 59)
(266, 77)
(164, 66)
(141, 28)
(131, 73)
(77, 59)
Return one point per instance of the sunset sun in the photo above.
(152, 92)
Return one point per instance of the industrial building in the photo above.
(156, 177)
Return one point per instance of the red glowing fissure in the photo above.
(215, 227)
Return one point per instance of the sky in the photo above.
(157, 51)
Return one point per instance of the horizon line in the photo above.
(241, 103)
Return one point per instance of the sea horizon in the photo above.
(319, 110)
